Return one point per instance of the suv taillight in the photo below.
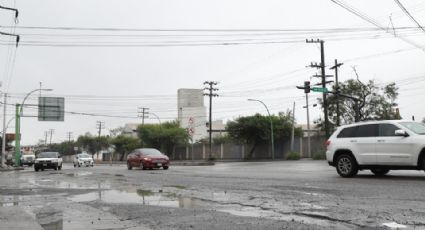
(327, 143)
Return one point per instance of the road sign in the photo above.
(51, 108)
(318, 89)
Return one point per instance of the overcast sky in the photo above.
(137, 53)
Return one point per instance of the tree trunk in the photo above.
(251, 152)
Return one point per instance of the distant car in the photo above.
(147, 158)
(45, 160)
(83, 159)
(27, 160)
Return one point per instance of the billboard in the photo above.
(51, 109)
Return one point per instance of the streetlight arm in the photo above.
(28, 94)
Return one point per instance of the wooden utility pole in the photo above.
(210, 93)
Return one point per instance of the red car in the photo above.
(147, 158)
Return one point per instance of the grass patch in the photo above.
(319, 156)
(177, 186)
(142, 192)
(293, 156)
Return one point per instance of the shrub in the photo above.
(293, 156)
(319, 155)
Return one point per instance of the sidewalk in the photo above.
(173, 163)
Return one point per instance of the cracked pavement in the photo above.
(302, 194)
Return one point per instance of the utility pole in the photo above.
(293, 128)
(99, 126)
(210, 92)
(322, 67)
(46, 133)
(143, 113)
(3, 147)
(16, 21)
(69, 136)
(3, 150)
(338, 113)
(51, 134)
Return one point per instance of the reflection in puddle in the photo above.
(144, 197)
(78, 174)
(50, 219)
(7, 201)
(67, 184)
(394, 225)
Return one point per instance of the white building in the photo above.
(192, 112)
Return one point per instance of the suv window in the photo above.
(387, 130)
(347, 132)
(367, 131)
(359, 131)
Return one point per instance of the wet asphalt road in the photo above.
(241, 195)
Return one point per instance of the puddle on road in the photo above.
(79, 174)
(139, 196)
(7, 201)
(394, 225)
(68, 184)
(50, 220)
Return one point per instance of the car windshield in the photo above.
(151, 152)
(416, 127)
(48, 155)
(84, 156)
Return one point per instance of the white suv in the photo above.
(380, 146)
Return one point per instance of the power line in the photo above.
(374, 22)
(409, 15)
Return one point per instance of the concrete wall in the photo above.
(235, 151)
(239, 152)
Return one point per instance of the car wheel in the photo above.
(36, 169)
(129, 166)
(165, 167)
(42, 169)
(79, 165)
(55, 168)
(379, 172)
(346, 166)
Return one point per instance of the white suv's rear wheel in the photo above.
(346, 166)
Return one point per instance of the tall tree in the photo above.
(125, 144)
(255, 130)
(376, 103)
(164, 137)
(93, 144)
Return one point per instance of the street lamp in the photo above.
(19, 111)
(156, 116)
(271, 125)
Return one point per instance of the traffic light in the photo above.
(306, 87)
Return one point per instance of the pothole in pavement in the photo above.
(218, 201)
(139, 196)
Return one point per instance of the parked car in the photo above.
(27, 160)
(147, 158)
(45, 160)
(83, 159)
(379, 146)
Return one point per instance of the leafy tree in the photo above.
(125, 144)
(64, 148)
(255, 130)
(376, 103)
(93, 144)
(164, 137)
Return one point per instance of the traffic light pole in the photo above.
(18, 135)
(308, 126)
